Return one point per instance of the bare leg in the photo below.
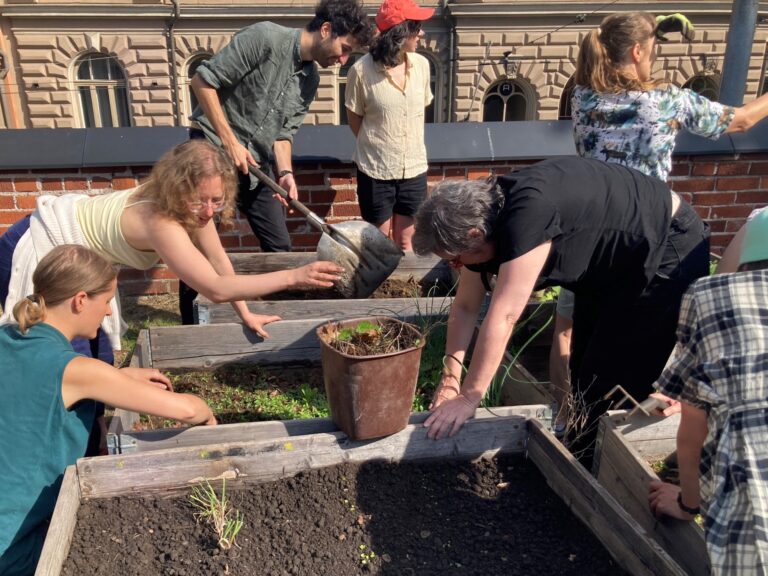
(385, 227)
(403, 230)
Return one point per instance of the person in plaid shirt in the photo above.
(719, 373)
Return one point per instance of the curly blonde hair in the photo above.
(606, 48)
(175, 177)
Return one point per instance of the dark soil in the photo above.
(487, 518)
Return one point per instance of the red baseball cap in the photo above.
(394, 12)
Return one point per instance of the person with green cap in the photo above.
(719, 373)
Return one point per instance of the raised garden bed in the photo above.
(406, 292)
(627, 450)
(403, 527)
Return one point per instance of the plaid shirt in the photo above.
(720, 364)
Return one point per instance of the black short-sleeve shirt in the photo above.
(608, 224)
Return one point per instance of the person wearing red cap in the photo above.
(387, 91)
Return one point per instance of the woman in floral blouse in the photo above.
(622, 115)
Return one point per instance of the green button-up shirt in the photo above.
(264, 87)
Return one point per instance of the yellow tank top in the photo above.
(99, 219)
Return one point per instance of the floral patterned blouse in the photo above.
(638, 128)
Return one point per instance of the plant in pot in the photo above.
(370, 369)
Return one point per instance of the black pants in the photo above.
(265, 215)
(627, 342)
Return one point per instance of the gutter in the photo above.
(171, 48)
(450, 22)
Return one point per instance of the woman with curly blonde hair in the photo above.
(170, 217)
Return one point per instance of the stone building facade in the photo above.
(82, 63)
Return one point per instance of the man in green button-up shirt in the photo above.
(253, 96)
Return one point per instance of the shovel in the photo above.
(367, 256)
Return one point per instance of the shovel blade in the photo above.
(367, 256)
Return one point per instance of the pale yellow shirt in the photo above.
(99, 219)
(390, 143)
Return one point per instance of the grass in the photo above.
(217, 511)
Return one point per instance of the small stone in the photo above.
(425, 534)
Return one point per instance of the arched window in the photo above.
(192, 65)
(565, 101)
(103, 94)
(342, 87)
(705, 85)
(430, 115)
(506, 101)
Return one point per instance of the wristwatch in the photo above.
(684, 508)
(284, 172)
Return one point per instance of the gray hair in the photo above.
(454, 208)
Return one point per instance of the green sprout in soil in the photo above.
(363, 329)
(366, 555)
(218, 512)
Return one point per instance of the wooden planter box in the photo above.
(172, 470)
(625, 447)
(427, 270)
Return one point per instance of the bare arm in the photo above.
(749, 114)
(208, 99)
(513, 288)
(183, 258)
(355, 121)
(461, 327)
(210, 245)
(87, 378)
(730, 260)
(283, 150)
(691, 434)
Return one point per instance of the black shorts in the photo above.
(379, 199)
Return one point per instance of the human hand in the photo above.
(316, 275)
(662, 499)
(448, 388)
(256, 323)
(672, 406)
(211, 421)
(239, 154)
(288, 183)
(151, 376)
(449, 416)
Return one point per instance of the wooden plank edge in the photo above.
(244, 462)
(146, 440)
(62, 527)
(626, 541)
(626, 475)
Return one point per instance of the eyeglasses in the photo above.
(216, 205)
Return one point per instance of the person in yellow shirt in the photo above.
(387, 91)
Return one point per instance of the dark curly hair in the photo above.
(386, 47)
(347, 17)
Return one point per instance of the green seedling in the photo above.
(364, 327)
(366, 555)
(218, 512)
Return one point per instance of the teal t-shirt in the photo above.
(39, 438)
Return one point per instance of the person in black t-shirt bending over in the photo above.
(622, 241)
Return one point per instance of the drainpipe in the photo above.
(741, 34)
(171, 47)
(451, 58)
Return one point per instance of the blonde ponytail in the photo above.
(29, 311)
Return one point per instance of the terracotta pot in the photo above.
(369, 396)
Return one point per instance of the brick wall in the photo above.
(723, 189)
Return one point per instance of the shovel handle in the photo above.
(313, 218)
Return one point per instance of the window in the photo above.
(704, 85)
(506, 101)
(342, 87)
(103, 95)
(565, 101)
(192, 66)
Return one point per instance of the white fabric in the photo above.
(53, 223)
